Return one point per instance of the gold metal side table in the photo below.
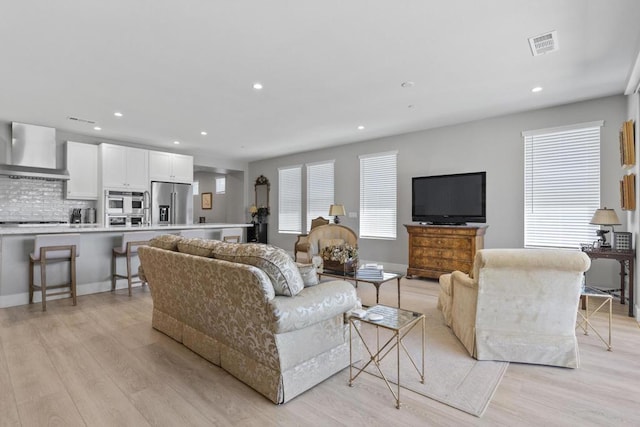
(584, 323)
(400, 322)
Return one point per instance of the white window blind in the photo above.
(290, 200)
(378, 195)
(319, 190)
(562, 185)
(221, 185)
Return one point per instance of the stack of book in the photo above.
(370, 272)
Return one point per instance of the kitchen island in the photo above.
(93, 267)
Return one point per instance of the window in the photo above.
(221, 184)
(290, 200)
(378, 193)
(196, 188)
(319, 190)
(561, 185)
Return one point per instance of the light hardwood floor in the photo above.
(101, 363)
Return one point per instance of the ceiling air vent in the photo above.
(78, 119)
(544, 43)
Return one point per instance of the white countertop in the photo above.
(29, 229)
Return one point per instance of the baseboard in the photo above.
(84, 289)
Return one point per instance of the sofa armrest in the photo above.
(312, 305)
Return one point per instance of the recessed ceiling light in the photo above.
(97, 128)
(408, 84)
(257, 85)
(117, 114)
(360, 127)
(536, 89)
(176, 142)
(203, 133)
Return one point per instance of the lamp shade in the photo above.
(336, 210)
(253, 209)
(605, 216)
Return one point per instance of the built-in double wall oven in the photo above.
(123, 208)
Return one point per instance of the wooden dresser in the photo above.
(438, 249)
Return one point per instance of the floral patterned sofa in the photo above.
(247, 309)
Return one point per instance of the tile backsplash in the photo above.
(36, 200)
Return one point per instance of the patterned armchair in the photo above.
(302, 243)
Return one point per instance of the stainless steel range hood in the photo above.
(32, 154)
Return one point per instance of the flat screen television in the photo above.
(449, 199)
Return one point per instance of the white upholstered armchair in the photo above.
(517, 305)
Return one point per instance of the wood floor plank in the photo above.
(32, 374)
(127, 371)
(8, 408)
(97, 398)
(51, 410)
(101, 363)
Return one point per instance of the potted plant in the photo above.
(341, 258)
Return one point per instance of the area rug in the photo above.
(451, 375)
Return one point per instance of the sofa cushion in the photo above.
(309, 274)
(276, 262)
(312, 305)
(199, 247)
(168, 242)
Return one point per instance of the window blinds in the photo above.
(320, 187)
(378, 195)
(290, 199)
(562, 185)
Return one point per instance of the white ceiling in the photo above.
(176, 67)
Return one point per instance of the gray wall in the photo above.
(207, 184)
(494, 145)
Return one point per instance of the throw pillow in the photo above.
(276, 262)
(167, 242)
(199, 247)
(309, 274)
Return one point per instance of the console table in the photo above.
(625, 258)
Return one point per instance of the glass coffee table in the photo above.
(386, 277)
(584, 323)
(400, 322)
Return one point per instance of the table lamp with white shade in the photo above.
(335, 211)
(608, 217)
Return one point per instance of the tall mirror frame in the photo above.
(262, 188)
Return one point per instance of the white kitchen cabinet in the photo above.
(82, 164)
(170, 167)
(124, 168)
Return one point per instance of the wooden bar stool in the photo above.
(128, 249)
(233, 235)
(54, 248)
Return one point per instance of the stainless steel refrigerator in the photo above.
(171, 203)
